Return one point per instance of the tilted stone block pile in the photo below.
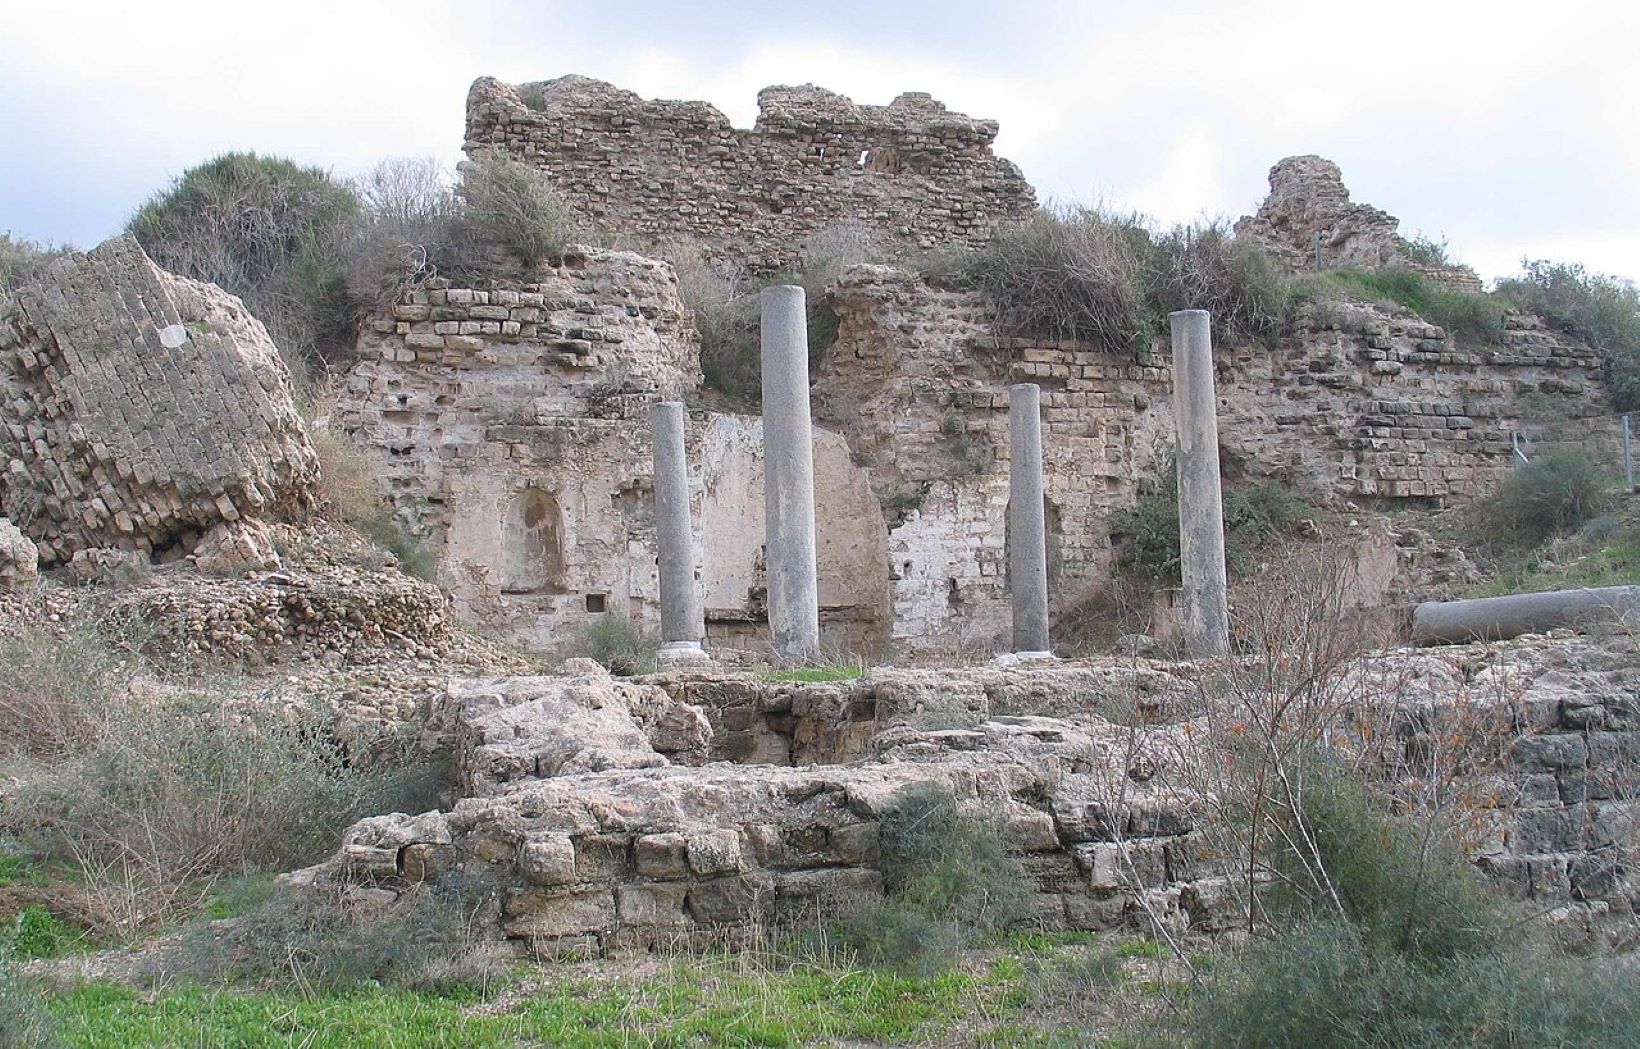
(138, 410)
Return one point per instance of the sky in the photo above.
(1509, 129)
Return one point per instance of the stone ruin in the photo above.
(510, 418)
(914, 174)
(703, 807)
(144, 413)
(1308, 223)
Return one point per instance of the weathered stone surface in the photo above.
(917, 383)
(637, 856)
(19, 558)
(519, 729)
(916, 174)
(139, 409)
(1308, 212)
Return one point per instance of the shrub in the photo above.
(317, 938)
(21, 261)
(723, 299)
(950, 880)
(58, 696)
(178, 792)
(1554, 493)
(1070, 273)
(1204, 268)
(37, 933)
(269, 231)
(1602, 310)
(509, 203)
(1428, 251)
(414, 231)
(1255, 515)
(616, 642)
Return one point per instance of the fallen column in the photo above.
(674, 539)
(1501, 618)
(1027, 533)
(788, 476)
(1205, 611)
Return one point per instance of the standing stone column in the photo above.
(1206, 610)
(1027, 531)
(674, 539)
(788, 476)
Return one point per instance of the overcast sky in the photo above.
(1512, 129)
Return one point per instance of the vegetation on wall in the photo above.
(1602, 310)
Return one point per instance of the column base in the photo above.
(682, 653)
(1009, 659)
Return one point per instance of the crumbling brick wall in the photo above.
(915, 174)
(140, 410)
(1361, 402)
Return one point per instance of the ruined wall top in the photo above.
(918, 175)
(1309, 213)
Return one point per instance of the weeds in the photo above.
(950, 880)
(59, 695)
(24, 1022)
(318, 940)
(509, 203)
(179, 792)
(1555, 493)
(1472, 318)
(1602, 310)
(617, 644)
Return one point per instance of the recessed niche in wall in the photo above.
(532, 536)
(596, 603)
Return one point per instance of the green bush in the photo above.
(1602, 310)
(950, 880)
(273, 233)
(1256, 514)
(510, 203)
(1555, 493)
(616, 642)
(37, 933)
(1400, 943)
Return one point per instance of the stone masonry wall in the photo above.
(1309, 223)
(139, 410)
(510, 423)
(915, 174)
(600, 840)
(1360, 402)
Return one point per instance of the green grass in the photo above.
(696, 1005)
(1472, 318)
(1590, 558)
(997, 998)
(37, 933)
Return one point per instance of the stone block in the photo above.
(661, 856)
(547, 859)
(714, 852)
(529, 913)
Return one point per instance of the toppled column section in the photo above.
(1501, 618)
(140, 410)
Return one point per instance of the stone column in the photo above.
(788, 476)
(1205, 613)
(1027, 529)
(674, 539)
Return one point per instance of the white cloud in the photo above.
(1512, 127)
